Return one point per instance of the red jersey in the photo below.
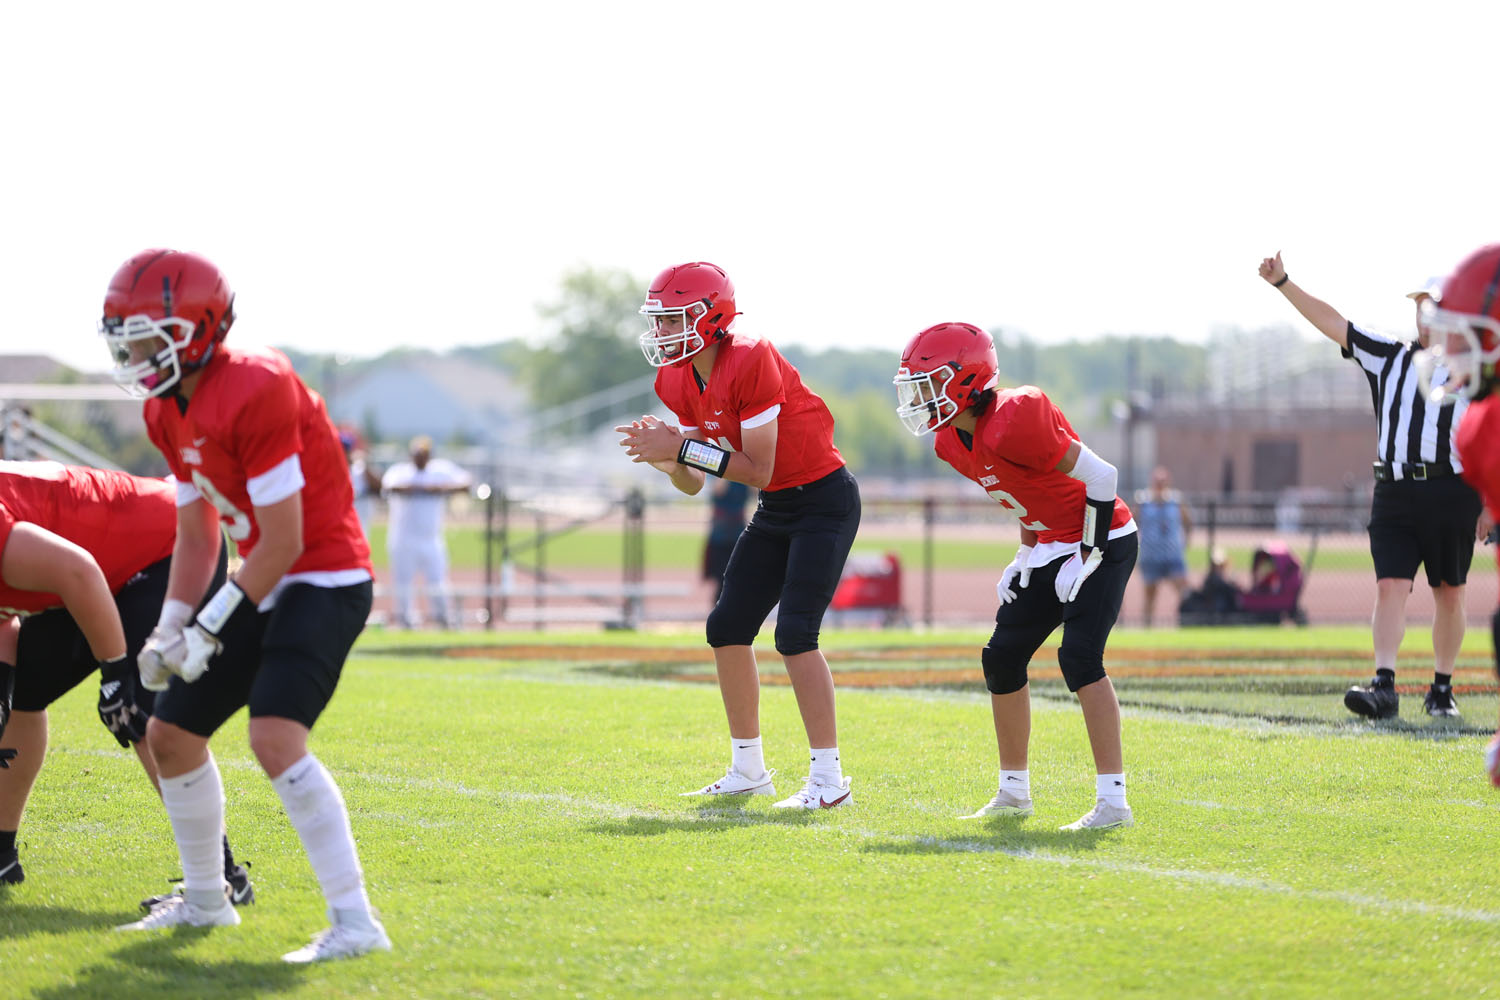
(249, 429)
(1478, 445)
(1016, 447)
(126, 523)
(752, 384)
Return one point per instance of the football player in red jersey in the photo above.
(745, 415)
(77, 594)
(252, 447)
(1078, 546)
(1464, 331)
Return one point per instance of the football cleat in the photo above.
(735, 783)
(1376, 700)
(816, 795)
(237, 889)
(1439, 702)
(177, 911)
(1003, 804)
(11, 872)
(1102, 817)
(352, 933)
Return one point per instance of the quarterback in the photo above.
(252, 448)
(1078, 546)
(745, 415)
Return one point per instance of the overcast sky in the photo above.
(374, 175)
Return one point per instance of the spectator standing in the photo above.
(725, 524)
(364, 479)
(417, 491)
(1423, 513)
(1163, 520)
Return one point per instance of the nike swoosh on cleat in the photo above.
(829, 805)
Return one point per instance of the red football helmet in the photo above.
(1463, 327)
(164, 312)
(687, 308)
(943, 371)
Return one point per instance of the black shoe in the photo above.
(241, 892)
(1377, 700)
(1439, 702)
(11, 872)
(238, 890)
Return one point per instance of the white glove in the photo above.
(164, 646)
(1071, 574)
(1017, 574)
(191, 658)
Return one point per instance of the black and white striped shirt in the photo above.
(1410, 429)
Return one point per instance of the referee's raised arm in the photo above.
(1320, 314)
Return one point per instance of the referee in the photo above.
(1423, 513)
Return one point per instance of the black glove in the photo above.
(118, 697)
(7, 688)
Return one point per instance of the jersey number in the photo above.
(1009, 502)
(237, 521)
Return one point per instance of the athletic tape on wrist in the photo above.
(702, 455)
(175, 614)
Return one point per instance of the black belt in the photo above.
(1419, 472)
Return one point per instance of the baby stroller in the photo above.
(1274, 595)
(1275, 587)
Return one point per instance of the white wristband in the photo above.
(174, 615)
(215, 614)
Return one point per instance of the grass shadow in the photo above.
(1008, 835)
(18, 920)
(704, 819)
(150, 963)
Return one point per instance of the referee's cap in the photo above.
(1432, 289)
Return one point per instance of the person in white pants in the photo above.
(418, 491)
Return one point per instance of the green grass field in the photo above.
(519, 822)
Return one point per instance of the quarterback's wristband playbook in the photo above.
(702, 455)
(1096, 517)
(228, 604)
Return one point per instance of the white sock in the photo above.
(195, 805)
(747, 757)
(1111, 788)
(316, 809)
(1017, 783)
(825, 766)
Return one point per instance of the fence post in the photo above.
(634, 558)
(929, 544)
(488, 496)
(1213, 519)
(541, 569)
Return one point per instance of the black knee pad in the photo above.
(1080, 670)
(1004, 670)
(726, 628)
(796, 634)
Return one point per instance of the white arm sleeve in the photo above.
(1100, 479)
